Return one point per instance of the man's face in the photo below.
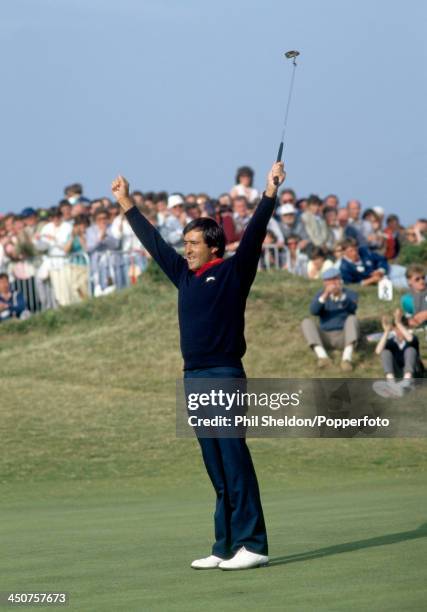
(194, 212)
(4, 284)
(342, 217)
(176, 211)
(286, 198)
(417, 282)
(334, 285)
(240, 207)
(292, 244)
(313, 207)
(288, 219)
(331, 217)
(352, 253)
(66, 212)
(196, 251)
(102, 220)
(331, 201)
(353, 208)
(78, 209)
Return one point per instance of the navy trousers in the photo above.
(239, 519)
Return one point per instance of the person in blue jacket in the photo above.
(12, 303)
(212, 294)
(338, 327)
(360, 265)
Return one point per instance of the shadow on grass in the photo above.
(391, 538)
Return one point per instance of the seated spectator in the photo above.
(174, 222)
(338, 327)
(290, 225)
(315, 225)
(372, 231)
(269, 257)
(331, 201)
(399, 349)
(337, 254)
(293, 261)
(12, 303)
(414, 303)
(360, 265)
(318, 263)
(244, 185)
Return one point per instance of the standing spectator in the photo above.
(399, 351)
(335, 306)
(336, 232)
(176, 219)
(244, 185)
(12, 303)
(392, 237)
(360, 265)
(74, 194)
(76, 248)
(331, 201)
(315, 225)
(414, 303)
(103, 247)
(54, 236)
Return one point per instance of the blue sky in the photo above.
(176, 94)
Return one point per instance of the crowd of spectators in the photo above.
(82, 247)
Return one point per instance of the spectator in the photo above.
(269, 258)
(337, 253)
(175, 220)
(244, 185)
(76, 248)
(360, 265)
(318, 263)
(338, 326)
(315, 225)
(193, 211)
(414, 303)
(356, 228)
(74, 194)
(294, 261)
(399, 351)
(372, 231)
(290, 225)
(12, 303)
(392, 237)
(66, 210)
(336, 232)
(331, 201)
(53, 238)
(287, 196)
(102, 248)
(241, 214)
(224, 217)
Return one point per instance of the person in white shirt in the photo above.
(53, 237)
(243, 186)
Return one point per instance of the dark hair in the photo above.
(314, 199)
(293, 237)
(213, 234)
(290, 191)
(244, 171)
(415, 268)
(63, 203)
(349, 242)
(4, 275)
(392, 218)
(74, 188)
(329, 209)
(55, 212)
(82, 220)
(369, 211)
(317, 252)
(101, 211)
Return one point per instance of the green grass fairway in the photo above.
(99, 498)
(334, 546)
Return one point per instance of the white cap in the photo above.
(379, 210)
(286, 209)
(175, 200)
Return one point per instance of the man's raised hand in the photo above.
(277, 171)
(120, 189)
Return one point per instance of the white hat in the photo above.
(175, 200)
(379, 210)
(286, 209)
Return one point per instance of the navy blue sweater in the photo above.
(211, 314)
(332, 314)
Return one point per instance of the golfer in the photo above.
(212, 294)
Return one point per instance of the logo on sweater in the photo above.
(210, 278)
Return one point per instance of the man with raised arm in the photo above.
(212, 294)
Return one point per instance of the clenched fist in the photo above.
(277, 171)
(120, 189)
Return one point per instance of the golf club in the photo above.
(289, 55)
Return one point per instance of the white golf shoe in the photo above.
(244, 559)
(211, 562)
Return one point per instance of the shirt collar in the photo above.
(208, 265)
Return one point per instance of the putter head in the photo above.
(291, 54)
